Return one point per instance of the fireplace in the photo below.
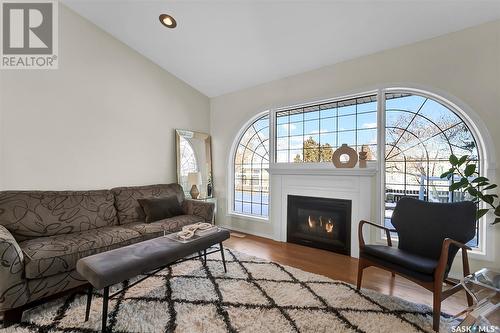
(320, 222)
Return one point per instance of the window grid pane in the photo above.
(312, 133)
(420, 135)
(251, 162)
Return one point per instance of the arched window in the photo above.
(420, 135)
(251, 170)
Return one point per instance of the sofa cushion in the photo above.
(46, 256)
(173, 224)
(160, 208)
(127, 206)
(32, 214)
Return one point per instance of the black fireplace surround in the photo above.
(322, 223)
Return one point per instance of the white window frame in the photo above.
(232, 152)
(485, 251)
(274, 111)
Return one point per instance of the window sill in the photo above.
(249, 217)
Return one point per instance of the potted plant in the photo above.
(464, 176)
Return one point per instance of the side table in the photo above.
(209, 199)
(484, 288)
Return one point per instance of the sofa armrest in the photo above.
(200, 208)
(13, 285)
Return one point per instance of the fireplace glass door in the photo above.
(320, 222)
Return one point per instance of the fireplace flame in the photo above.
(329, 226)
(312, 221)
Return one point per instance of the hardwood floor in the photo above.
(340, 267)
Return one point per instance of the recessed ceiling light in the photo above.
(168, 21)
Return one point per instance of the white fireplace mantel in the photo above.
(321, 181)
(320, 169)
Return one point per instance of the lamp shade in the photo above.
(194, 178)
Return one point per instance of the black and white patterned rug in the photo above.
(255, 295)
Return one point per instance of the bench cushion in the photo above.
(105, 269)
(155, 229)
(32, 214)
(47, 256)
(127, 206)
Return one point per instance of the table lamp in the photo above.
(194, 179)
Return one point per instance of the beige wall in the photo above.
(106, 117)
(464, 66)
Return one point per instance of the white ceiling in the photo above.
(224, 46)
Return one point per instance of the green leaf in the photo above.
(497, 211)
(496, 220)
(483, 184)
(472, 191)
(453, 160)
(480, 179)
(462, 160)
(481, 212)
(469, 170)
(462, 183)
(488, 199)
(444, 175)
(492, 186)
(456, 186)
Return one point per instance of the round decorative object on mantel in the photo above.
(345, 150)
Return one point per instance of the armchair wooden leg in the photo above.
(436, 306)
(361, 267)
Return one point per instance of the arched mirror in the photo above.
(194, 162)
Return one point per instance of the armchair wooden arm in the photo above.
(441, 269)
(360, 232)
(443, 259)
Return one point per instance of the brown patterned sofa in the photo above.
(44, 233)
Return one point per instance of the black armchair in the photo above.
(430, 235)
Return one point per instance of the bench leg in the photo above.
(205, 257)
(89, 302)
(203, 261)
(223, 258)
(105, 299)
